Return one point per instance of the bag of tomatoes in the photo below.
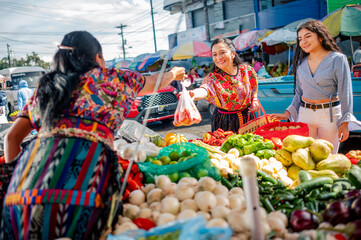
(186, 113)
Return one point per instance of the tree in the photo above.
(30, 60)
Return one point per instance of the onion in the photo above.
(169, 189)
(165, 218)
(205, 200)
(239, 221)
(119, 229)
(145, 213)
(188, 213)
(132, 212)
(170, 205)
(189, 180)
(280, 215)
(155, 195)
(156, 206)
(188, 204)
(277, 225)
(155, 216)
(222, 200)
(123, 220)
(206, 215)
(137, 197)
(237, 202)
(162, 181)
(147, 188)
(144, 205)
(206, 184)
(217, 222)
(184, 192)
(236, 190)
(220, 212)
(220, 190)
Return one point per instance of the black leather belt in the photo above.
(318, 106)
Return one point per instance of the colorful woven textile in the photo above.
(64, 180)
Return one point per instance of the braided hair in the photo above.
(76, 56)
(322, 32)
(236, 60)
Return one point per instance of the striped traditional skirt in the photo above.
(229, 120)
(61, 187)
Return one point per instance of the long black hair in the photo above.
(76, 56)
(322, 32)
(236, 60)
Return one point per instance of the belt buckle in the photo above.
(313, 107)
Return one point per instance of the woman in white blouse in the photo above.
(323, 89)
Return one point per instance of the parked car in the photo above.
(162, 105)
(13, 76)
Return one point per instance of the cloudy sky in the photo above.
(38, 26)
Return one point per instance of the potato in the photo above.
(271, 129)
(291, 127)
(278, 128)
(284, 128)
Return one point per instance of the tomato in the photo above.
(144, 223)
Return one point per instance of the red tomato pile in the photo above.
(217, 137)
(187, 117)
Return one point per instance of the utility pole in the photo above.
(151, 12)
(9, 58)
(121, 26)
(206, 20)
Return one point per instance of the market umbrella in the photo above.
(122, 64)
(249, 39)
(191, 49)
(152, 59)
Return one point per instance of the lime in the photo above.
(157, 162)
(148, 159)
(173, 162)
(185, 153)
(174, 155)
(202, 172)
(165, 160)
(182, 159)
(174, 176)
(184, 174)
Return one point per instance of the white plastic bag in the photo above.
(186, 113)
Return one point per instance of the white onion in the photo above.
(217, 222)
(170, 205)
(236, 190)
(184, 192)
(206, 215)
(222, 200)
(220, 212)
(188, 213)
(119, 229)
(189, 180)
(206, 184)
(188, 204)
(170, 189)
(162, 181)
(220, 190)
(156, 206)
(123, 220)
(205, 200)
(132, 212)
(145, 213)
(237, 202)
(280, 215)
(239, 221)
(136, 197)
(155, 195)
(155, 216)
(165, 218)
(276, 224)
(144, 205)
(147, 188)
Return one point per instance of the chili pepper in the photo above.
(268, 153)
(283, 197)
(226, 146)
(144, 223)
(240, 183)
(226, 183)
(312, 206)
(139, 177)
(266, 177)
(234, 181)
(283, 191)
(260, 153)
(126, 194)
(267, 205)
(133, 185)
(286, 205)
(313, 194)
(326, 195)
(299, 203)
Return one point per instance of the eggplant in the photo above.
(338, 212)
(353, 193)
(356, 208)
(303, 220)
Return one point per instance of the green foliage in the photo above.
(30, 60)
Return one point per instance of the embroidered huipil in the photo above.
(331, 78)
(231, 93)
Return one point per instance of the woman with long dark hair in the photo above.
(323, 89)
(67, 177)
(231, 86)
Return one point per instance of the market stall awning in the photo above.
(249, 39)
(191, 49)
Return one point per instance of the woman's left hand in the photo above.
(343, 132)
(254, 106)
(179, 73)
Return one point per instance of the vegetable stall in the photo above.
(193, 189)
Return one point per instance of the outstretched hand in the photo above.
(179, 73)
(279, 116)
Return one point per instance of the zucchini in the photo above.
(354, 176)
(303, 176)
(314, 183)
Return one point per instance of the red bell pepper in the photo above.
(139, 177)
(133, 185)
(277, 142)
(126, 194)
(144, 223)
